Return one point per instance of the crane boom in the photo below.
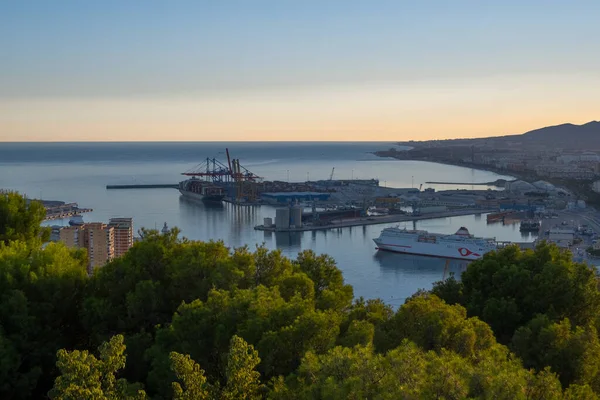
(331, 176)
(228, 160)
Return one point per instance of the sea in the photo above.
(79, 172)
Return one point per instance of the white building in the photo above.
(519, 186)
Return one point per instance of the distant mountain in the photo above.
(565, 136)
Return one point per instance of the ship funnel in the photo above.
(463, 231)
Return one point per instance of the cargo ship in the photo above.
(460, 245)
(198, 189)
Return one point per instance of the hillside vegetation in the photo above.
(180, 319)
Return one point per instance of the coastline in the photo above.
(479, 167)
(580, 189)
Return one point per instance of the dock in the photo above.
(145, 186)
(64, 211)
(497, 182)
(242, 203)
(374, 220)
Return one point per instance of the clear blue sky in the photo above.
(226, 67)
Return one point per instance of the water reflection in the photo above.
(408, 264)
(288, 240)
(529, 236)
(192, 206)
(201, 219)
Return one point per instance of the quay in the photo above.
(241, 203)
(373, 220)
(145, 186)
(60, 210)
(497, 182)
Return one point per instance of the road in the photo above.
(572, 219)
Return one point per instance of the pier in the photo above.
(64, 211)
(498, 183)
(374, 220)
(145, 186)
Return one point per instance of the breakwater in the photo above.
(498, 183)
(145, 186)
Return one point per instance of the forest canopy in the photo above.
(181, 319)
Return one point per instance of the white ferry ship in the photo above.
(461, 245)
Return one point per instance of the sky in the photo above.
(294, 70)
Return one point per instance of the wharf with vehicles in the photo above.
(361, 221)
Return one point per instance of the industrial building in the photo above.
(288, 217)
(561, 237)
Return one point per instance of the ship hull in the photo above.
(458, 252)
(215, 198)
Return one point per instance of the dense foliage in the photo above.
(181, 319)
(541, 304)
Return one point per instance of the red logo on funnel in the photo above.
(466, 252)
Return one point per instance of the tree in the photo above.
(40, 292)
(434, 325)
(574, 352)
(242, 380)
(409, 372)
(508, 288)
(20, 219)
(189, 372)
(330, 290)
(83, 376)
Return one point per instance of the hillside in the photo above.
(566, 135)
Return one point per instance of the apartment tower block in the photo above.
(123, 233)
(103, 242)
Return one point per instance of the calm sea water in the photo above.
(79, 172)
